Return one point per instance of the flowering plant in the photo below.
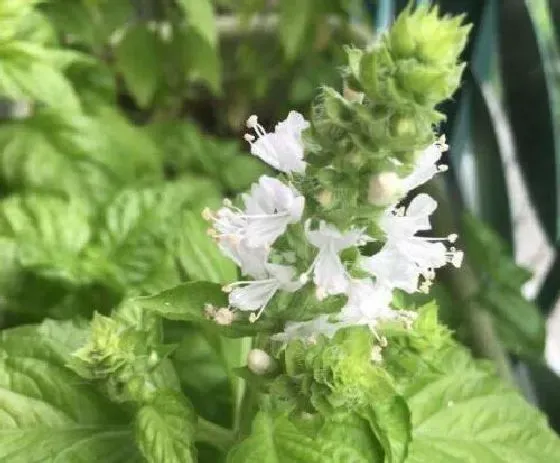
(328, 350)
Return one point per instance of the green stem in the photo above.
(464, 286)
(214, 434)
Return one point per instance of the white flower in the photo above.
(308, 330)
(251, 261)
(255, 295)
(259, 362)
(329, 273)
(406, 257)
(270, 207)
(283, 148)
(368, 303)
(425, 166)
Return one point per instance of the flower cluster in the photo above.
(251, 236)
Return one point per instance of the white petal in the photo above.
(254, 295)
(425, 168)
(393, 269)
(329, 273)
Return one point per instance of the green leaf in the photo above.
(50, 235)
(294, 20)
(202, 60)
(199, 255)
(185, 301)
(66, 153)
(28, 73)
(470, 416)
(276, 439)
(200, 17)
(165, 429)
(137, 60)
(47, 413)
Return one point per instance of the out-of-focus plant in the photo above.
(119, 342)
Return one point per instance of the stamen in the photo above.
(320, 294)
(375, 355)
(452, 238)
(249, 138)
(442, 168)
(303, 278)
(227, 202)
(212, 232)
(252, 121)
(227, 288)
(455, 258)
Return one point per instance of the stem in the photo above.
(464, 286)
(214, 434)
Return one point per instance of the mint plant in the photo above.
(316, 349)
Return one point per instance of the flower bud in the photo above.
(259, 362)
(384, 188)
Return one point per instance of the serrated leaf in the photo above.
(50, 414)
(470, 416)
(294, 19)
(200, 17)
(137, 60)
(276, 439)
(165, 429)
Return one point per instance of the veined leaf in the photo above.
(50, 235)
(469, 416)
(276, 439)
(47, 413)
(165, 429)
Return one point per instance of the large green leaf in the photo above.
(137, 57)
(276, 439)
(470, 416)
(200, 17)
(165, 429)
(295, 17)
(47, 413)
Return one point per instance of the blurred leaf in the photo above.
(50, 235)
(48, 412)
(527, 84)
(137, 56)
(544, 29)
(57, 152)
(518, 322)
(165, 429)
(200, 17)
(295, 16)
(199, 255)
(187, 149)
(202, 59)
(29, 72)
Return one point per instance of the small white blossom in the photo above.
(426, 165)
(283, 148)
(368, 303)
(406, 257)
(307, 330)
(329, 273)
(254, 295)
(270, 207)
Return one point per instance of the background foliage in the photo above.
(119, 119)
